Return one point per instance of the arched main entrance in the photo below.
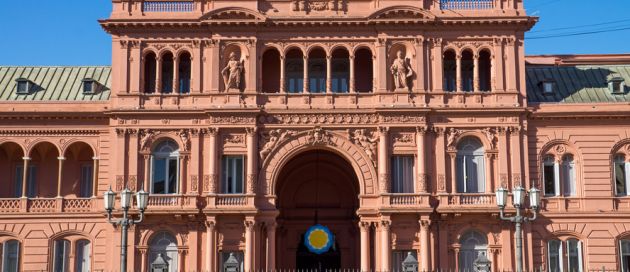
(317, 187)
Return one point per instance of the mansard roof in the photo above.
(576, 83)
(54, 83)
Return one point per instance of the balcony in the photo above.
(230, 203)
(466, 4)
(405, 202)
(47, 205)
(168, 6)
(469, 203)
(170, 203)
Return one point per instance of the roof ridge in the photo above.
(55, 66)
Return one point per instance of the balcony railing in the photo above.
(466, 4)
(404, 199)
(78, 205)
(231, 200)
(10, 205)
(167, 201)
(168, 6)
(42, 205)
(472, 199)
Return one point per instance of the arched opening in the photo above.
(317, 71)
(167, 72)
(467, 70)
(150, 66)
(11, 164)
(340, 78)
(624, 254)
(184, 72)
(294, 71)
(317, 187)
(78, 172)
(165, 168)
(271, 71)
(43, 171)
(485, 71)
(565, 255)
(164, 245)
(363, 70)
(472, 243)
(470, 166)
(450, 71)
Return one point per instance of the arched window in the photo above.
(10, 254)
(624, 255)
(485, 71)
(150, 66)
(184, 72)
(317, 71)
(450, 71)
(472, 243)
(165, 170)
(271, 71)
(363, 70)
(294, 71)
(61, 262)
(340, 66)
(558, 261)
(551, 176)
(470, 166)
(467, 70)
(82, 256)
(167, 72)
(164, 245)
(621, 174)
(568, 176)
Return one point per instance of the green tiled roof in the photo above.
(576, 84)
(55, 83)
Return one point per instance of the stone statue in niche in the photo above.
(401, 70)
(232, 73)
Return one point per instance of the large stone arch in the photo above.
(318, 139)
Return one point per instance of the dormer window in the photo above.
(616, 84)
(89, 86)
(23, 86)
(548, 86)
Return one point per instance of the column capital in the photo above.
(364, 225)
(422, 130)
(249, 224)
(425, 224)
(213, 131)
(385, 224)
(251, 131)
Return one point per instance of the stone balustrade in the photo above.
(168, 6)
(467, 4)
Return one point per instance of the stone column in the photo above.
(351, 85)
(95, 177)
(25, 176)
(383, 154)
(249, 244)
(176, 74)
(143, 259)
(271, 246)
(421, 181)
(381, 63)
(328, 74)
(453, 173)
(210, 246)
(385, 245)
(476, 73)
(181, 255)
(305, 83)
(459, 72)
(212, 160)
(440, 159)
(282, 74)
(437, 82)
(147, 173)
(364, 227)
(515, 155)
(456, 257)
(60, 175)
(503, 159)
(425, 248)
(489, 163)
(419, 70)
(252, 157)
(158, 74)
(182, 174)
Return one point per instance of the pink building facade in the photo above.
(392, 123)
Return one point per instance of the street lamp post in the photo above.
(518, 201)
(125, 203)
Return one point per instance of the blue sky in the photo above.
(46, 32)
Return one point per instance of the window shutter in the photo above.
(560, 255)
(572, 184)
(579, 252)
(481, 176)
(461, 181)
(556, 176)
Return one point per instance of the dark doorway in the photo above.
(307, 260)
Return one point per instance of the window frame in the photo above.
(622, 254)
(31, 182)
(467, 160)
(86, 183)
(620, 159)
(168, 157)
(397, 187)
(565, 254)
(4, 254)
(227, 161)
(568, 176)
(65, 258)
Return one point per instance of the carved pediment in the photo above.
(401, 12)
(234, 14)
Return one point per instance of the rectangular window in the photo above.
(549, 178)
(574, 248)
(86, 180)
(554, 249)
(10, 252)
(60, 263)
(22, 87)
(239, 256)
(398, 257)
(233, 172)
(402, 174)
(165, 175)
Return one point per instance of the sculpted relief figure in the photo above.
(275, 137)
(369, 144)
(232, 73)
(401, 70)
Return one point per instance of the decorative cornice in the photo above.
(49, 132)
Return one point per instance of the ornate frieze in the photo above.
(234, 140)
(403, 139)
(330, 119)
(49, 132)
(231, 120)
